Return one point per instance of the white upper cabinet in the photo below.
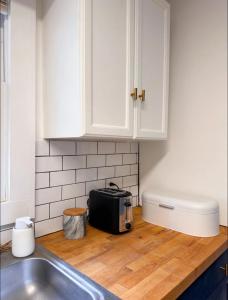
(95, 53)
(151, 74)
(109, 67)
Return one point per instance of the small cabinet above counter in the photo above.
(105, 68)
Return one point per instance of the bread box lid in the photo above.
(188, 203)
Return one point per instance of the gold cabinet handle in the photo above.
(134, 94)
(225, 269)
(142, 96)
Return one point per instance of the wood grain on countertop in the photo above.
(150, 262)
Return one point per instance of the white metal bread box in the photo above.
(195, 216)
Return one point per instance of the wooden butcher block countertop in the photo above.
(150, 262)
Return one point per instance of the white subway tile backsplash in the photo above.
(62, 177)
(48, 163)
(48, 195)
(42, 148)
(74, 162)
(42, 212)
(134, 147)
(48, 226)
(114, 160)
(86, 175)
(95, 161)
(122, 147)
(130, 181)
(123, 170)
(5, 236)
(98, 184)
(68, 170)
(42, 180)
(117, 180)
(134, 169)
(86, 148)
(131, 189)
(57, 208)
(62, 148)
(106, 172)
(134, 190)
(81, 202)
(73, 190)
(134, 200)
(129, 159)
(106, 147)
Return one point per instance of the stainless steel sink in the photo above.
(47, 278)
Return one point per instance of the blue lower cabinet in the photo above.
(212, 284)
(221, 291)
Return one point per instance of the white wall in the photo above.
(194, 159)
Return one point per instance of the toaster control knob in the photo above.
(128, 226)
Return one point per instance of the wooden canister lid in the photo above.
(74, 211)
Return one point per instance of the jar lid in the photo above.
(74, 211)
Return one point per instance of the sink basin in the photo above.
(42, 278)
(37, 278)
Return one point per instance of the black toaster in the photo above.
(110, 210)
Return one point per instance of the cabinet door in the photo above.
(211, 285)
(152, 62)
(109, 67)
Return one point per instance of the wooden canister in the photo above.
(74, 223)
